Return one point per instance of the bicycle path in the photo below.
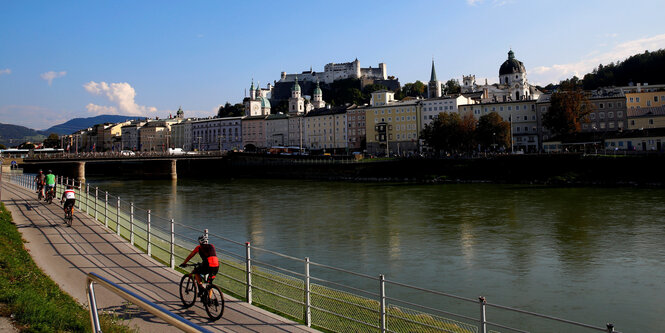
(67, 254)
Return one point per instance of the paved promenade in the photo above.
(67, 254)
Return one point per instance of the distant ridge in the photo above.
(13, 135)
(83, 123)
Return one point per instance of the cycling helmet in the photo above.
(50, 171)
(40, 171)
(203, 239)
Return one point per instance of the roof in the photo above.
(276, 116)
(327, 111)
(647, 112)
(512, 65)
(432, 77)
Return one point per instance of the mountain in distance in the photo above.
(14, 135)
(83, 123)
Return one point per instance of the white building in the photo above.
(181, 135)
(513, 84)
(431, 107)
(257, 104)
(339, 71)
(130, 135)
(217, 134)
(277, 130)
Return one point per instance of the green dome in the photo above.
(296, 86)
(317, 90)
(265, 103)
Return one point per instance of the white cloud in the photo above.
(555, 73)
(5, 71)
(122, 94)
(473, 2)
(50, 76)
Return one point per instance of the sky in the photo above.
(66, 59)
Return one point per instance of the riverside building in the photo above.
(392, 127)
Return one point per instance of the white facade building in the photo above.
(277, 130)
(339, 71)
(431, 107)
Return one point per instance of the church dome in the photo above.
(265, 103)
(296, 86)
(317, 90)
(512, 65)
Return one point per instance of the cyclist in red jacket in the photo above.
(209, 261)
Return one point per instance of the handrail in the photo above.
(143, 303)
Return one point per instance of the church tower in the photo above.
(296, 102)
(317, 97)
(434, 85)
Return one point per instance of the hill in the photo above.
(82, 123)
(14, 135)
(648, 67)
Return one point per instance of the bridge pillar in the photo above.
(174, 172)
(80, 172)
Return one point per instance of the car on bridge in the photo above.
(127, 153)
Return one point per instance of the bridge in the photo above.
(148, 164)
(68, 254)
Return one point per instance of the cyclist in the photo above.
(209, 261)
(39, 182)
(69, 197)
(50, 182)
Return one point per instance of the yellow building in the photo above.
(647, 117)
(645, 99)
(326, 128)
(392, 126)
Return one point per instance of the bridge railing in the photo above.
(316, 294)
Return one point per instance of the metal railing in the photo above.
(158, 311)
(316, 294)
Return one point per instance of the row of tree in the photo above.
(452, 133)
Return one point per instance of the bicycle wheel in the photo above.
(70, 217)
(187, 290)
(214, 302)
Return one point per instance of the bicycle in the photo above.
(40, 192)
(69, 214)
(211, 296)
(50, 194)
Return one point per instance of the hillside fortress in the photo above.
(333, 72)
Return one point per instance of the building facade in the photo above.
(356, 132)
(392, 127)
(277, 130)
(326, 129)
(253, 132)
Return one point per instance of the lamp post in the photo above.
(199, 142)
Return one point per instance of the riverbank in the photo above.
(33, 300)
(552, 170)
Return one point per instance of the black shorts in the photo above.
(69, 203)
(204, 269)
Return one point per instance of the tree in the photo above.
(492, 131)
(228, 110)
(53, 141)
(2, 146)
(444, 133)
(452, 86)
(26, 145)
(568, 110)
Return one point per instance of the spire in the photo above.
(433, 76)
(252, 87)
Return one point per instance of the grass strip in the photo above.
(35, 301)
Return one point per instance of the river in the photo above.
(593, 255)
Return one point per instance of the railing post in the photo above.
(87, 198)
(483, 318)
(610, 328)
(80, 200)
(308, 304)
(382, 294)
(172, 244)
(147, 228)
(92, 303)
(106, 209)
(248, 257)
(131, 223)
(117, 218)
(96, 194)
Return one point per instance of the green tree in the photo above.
(2, 146)
(282, 106)
(492, 131)
(568, 110)
(444, 133)
(53, 141)
(452, 86)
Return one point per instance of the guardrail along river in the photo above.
(592, 255)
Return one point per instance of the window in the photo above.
(631, 99)
(610, 105)
(510, 108)
(585, 126)
(619, 114)
(592, 116)
(601, 115)
(632, 122)
(619, 104)
(655, 99)
(601, 105)
(610, 115)
(637, 99)
(648, 103)
(611, 124)
(650, 121)
(501, 108)
(602, 125)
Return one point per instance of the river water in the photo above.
(593, 255)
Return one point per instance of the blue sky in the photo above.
(65, 59)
